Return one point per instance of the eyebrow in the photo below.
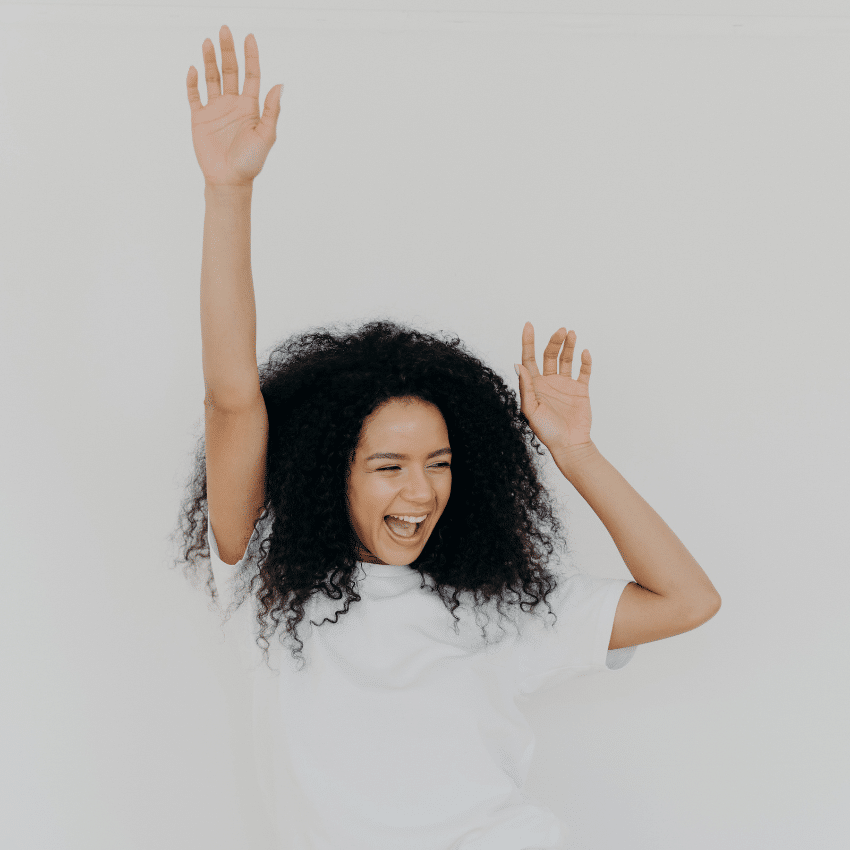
(391, 456)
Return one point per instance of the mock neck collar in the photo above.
(385, 570)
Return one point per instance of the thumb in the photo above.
(528, 400)
(271, 110)
(523, 381)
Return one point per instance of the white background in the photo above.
(670, 180)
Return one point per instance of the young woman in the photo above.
(394, 469)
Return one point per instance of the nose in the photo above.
(417, 487)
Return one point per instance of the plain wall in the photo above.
(673, 186)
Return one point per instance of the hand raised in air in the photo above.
(231, 140)
(556, 406)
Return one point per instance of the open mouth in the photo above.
(402, 530)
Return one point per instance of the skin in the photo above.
(413, 485)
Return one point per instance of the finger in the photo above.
(252, 68)
(211, 71)
(550, 353)
(192, 89)
(567, 354)
(584, 372)
(267, 128)
(527, 396)
(528, 358)
(229, 62)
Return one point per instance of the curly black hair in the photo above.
(318, 389)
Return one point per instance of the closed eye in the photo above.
(396, 467)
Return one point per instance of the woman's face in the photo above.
(416, 481)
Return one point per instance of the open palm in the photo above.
(556, 406)
(230, 138)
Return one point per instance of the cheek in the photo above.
(446, 487)
(367, 500)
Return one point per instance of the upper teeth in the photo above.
(409, 518)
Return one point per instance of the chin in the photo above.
(394, 552)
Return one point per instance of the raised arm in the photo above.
(231, 143)
(671, 593)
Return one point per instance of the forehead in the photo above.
(399, 420)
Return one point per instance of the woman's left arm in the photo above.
(671, 593)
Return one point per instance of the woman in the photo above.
(391, 467)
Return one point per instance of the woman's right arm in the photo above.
(231, 143)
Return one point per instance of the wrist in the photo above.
(570, 458)
(228, 191)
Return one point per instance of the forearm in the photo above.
(653, 553)
(228, 312)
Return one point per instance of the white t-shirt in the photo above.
(400, 734)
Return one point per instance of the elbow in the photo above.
(706, 611)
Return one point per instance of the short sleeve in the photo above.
(225, 574)
(240, 624)
(548, 652)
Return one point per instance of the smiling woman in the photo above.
(395, 508)
(386, 467)
(339, 406)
